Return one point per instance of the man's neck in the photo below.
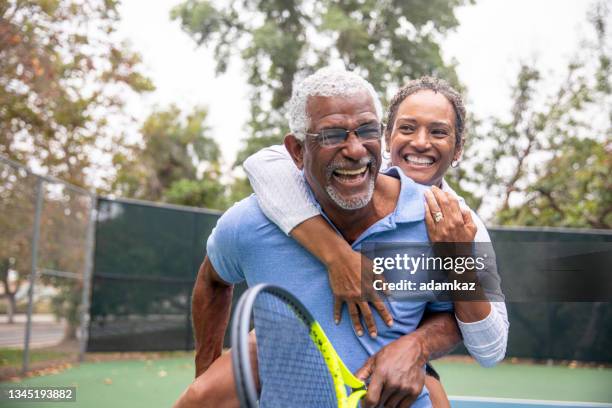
(352, 223)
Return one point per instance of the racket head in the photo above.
(291, 368)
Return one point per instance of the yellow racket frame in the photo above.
(341, 375)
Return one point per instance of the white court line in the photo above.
(531, 401)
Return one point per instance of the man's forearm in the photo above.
(210, 310)
(439, 334)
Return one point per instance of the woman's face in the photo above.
(422, 142)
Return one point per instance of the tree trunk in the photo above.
(70, 331)
(11, 307)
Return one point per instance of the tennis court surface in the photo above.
(147, 383)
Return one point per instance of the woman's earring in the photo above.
(386, 156)
(455, 164)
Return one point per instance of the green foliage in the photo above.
(573, 190)
(178, 162)
(549, 160)
(206, 192)
(387, 42)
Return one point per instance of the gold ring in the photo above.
(437, 216)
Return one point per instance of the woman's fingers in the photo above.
(432, 203)
(449, 206)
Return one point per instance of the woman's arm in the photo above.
(483, 324)
(281, 190)
(283, 196)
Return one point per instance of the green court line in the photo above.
(527, 381)
(158, 383)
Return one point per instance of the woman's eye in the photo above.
(406, 129)
(440, 132)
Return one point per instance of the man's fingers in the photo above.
(372, 397)
(393, 400)
(354, 313)
(407, 401)
(337, 310)
(382, 310)
(366, 371)
(364, 307)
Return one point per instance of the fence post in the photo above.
(35, 239)
(87, 276)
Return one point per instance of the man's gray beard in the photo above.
(353, 203)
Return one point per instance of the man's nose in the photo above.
(353, 148)
(420, 140)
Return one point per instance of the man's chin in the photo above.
(349, 202)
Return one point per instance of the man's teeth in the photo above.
(346, 172)
(419, 159)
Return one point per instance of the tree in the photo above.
(64, 78)
(176, 163)
(387, 42)
(550, 161)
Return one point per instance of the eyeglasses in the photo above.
(337, 136)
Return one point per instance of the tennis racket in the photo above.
(297, 364)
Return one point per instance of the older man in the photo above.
(335, 139)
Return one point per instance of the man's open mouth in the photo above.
(351, 176)
(419, 161)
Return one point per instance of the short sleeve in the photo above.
(440, 307)
(223, 249)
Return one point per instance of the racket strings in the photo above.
(292, 371)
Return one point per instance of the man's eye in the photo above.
(406, 129)
(333, 135)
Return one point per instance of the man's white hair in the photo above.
(326, 81)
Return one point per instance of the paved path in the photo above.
(46, 331)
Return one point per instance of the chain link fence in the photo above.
(46, 248)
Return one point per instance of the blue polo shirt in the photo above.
(246, 245)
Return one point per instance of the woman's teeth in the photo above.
(419, 160)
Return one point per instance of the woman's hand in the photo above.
(348, 281)
(351, 280)
(446, 220)
(455, 225)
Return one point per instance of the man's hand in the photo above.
(396, 373)
(351, 279)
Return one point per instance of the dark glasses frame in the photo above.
(337, 136)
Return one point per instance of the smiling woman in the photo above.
(425, 137)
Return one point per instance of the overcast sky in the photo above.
(491, 40)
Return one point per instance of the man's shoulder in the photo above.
(244, 215)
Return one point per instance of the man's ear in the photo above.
(295, 147)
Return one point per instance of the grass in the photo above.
(14, 358)
(152, 383)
